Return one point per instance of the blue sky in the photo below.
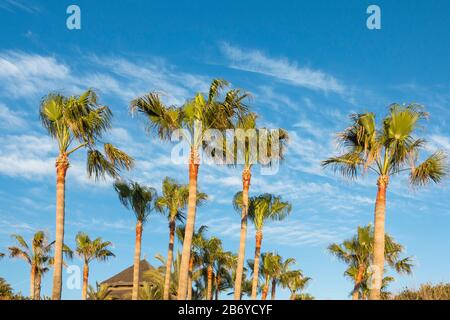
(307, 64)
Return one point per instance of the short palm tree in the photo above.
(224, 265)
(210, 250)
(246, 151)
(295, 281)
(78, 122)
(279, 268)
(172, 202)
(195, 259)
(357, 253)
(387, 151)
(262, 208)
(6, 291)
(100, 292)
(195, 117)
(140, 199)
(37, 255)
(89, 250)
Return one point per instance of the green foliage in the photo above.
(89, 250)
(100, 292)
(428, 291)
(140, 199)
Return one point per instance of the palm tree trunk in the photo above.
(265, 291)
(246, 176)
(190, 222)
(378, 247)
(209, 283)
(274, 288)
(37, 287)
(85, 280)
(137, 261)
(217, 287)
(62, 164)
(189, 285)
(256, 264)
(169, 260)
(358, 280)
(292, 297)
(32, 281)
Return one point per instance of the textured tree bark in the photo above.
(217, 287)
(256, 265)
(191, 270)
(378, 247)
(358, 280)
(32, 281)
(169, 260)
(137, 261)
(265, 291)
(62, 164)
(190, 223)
(246, 177)
(209, 283)
(37, 290)
(274, 288)
(85, 281)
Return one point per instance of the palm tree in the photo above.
(223, 266)
(295, 281)
(89, 250)
(6, 291)
(140, 200)
(357, 253)
(101, 292)
(386, 151)
(78, 122)
(195, 117)
(172, 203)
(247, 123)
(195, 259)
(37, 255)
(262, 208)
(279, 268)
(210, 251)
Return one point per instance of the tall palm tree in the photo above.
(38, 255)
(140, 199)
(172, 202)
(357, 253)
(295, 281)
(387, 151)
(262, 208)
(244, 150)
(195, 259)
(195, 117)
(89, 250)
(78, 122)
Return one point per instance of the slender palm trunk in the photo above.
(190, 222)
(209, 283)
(265, 290)
(217, 287)
(274, 288)
(189, 285)
(37, 287)
(85, 281)
(246, 176)
(378, 247)
(256, 264)
(32, 281)
(62, 164)
(292, 297)
(358, 280)
(137, 261)
(169, 260)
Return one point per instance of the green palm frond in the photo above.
(435, 168)
(136, 197)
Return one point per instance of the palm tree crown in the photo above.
(136, 197)
(89, 250)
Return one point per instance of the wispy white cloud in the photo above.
(281, 69)
(10, 119)
(12, 5)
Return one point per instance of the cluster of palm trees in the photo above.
(38, 255)
(80, 123)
